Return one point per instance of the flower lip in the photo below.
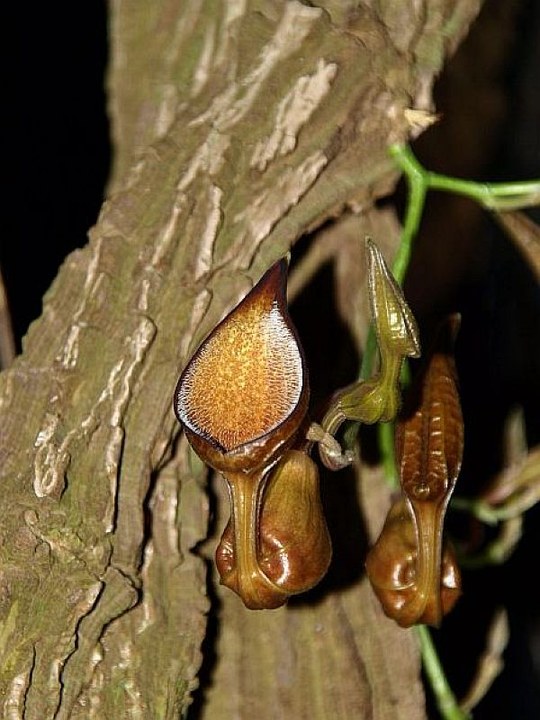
(245, 390)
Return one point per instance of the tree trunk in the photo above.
(238, 127)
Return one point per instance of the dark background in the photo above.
(489, 97)
(57, 144)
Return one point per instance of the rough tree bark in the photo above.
(238, 126)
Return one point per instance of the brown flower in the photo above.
(407, 593)
(242, 400)
(415, 579)
(243, 395)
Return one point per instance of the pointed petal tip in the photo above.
(396, 325)
(274, 281)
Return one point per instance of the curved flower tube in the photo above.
(242, 401)
(414, 578)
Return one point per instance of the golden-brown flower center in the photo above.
(245, 380)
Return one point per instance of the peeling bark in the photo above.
(238, 127)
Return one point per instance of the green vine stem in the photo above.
(492, 196)
(385, 433)
(445, 698)
(482, 510)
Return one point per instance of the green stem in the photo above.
(445, 698)
(477, 508)
(492, 196)
(416, 178)
(484, 511)
(388, 456)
